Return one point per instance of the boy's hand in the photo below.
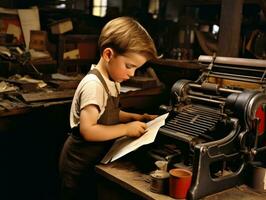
(146, 117)
(135, 129)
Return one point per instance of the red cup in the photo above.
(179, 182)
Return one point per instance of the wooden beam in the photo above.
(230, 23)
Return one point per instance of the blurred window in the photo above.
(154, 8)
(99, 8)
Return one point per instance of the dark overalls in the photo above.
(79, 157)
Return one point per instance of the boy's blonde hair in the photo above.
(126, 35)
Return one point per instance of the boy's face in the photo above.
(122, 67)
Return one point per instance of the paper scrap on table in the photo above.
(125, 145)
(125, 89)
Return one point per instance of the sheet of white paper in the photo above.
(125, 145)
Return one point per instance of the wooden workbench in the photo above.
(136, 185)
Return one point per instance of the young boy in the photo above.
(95, 117)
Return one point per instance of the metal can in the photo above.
(159, 181)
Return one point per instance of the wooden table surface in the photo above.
(124, 174)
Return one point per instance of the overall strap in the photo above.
(100, 77)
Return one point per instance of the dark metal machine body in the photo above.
(221, 119)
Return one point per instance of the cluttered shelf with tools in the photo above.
(22, 93)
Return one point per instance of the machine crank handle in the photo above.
(255, 151)
(165, 109)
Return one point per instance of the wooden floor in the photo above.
(124, 175)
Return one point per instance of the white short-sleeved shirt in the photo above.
(91, 91)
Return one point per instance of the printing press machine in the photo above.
(218, 122)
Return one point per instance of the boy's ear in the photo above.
(107, 54)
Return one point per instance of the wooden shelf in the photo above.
(185, 64)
